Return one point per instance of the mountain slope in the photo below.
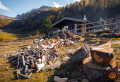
(4, 20)
(93, 9)
(42, 8)
(5, 17)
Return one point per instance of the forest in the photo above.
(93, 9)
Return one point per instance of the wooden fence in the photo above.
(98, 27)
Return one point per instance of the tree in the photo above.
(37, 33)
(47, 25)
(102, 4)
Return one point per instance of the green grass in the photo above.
(6, 74)
(10, 36)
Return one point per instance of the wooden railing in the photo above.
(101, 27)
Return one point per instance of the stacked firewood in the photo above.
(98, 64)
(28, 60)
(38, 57)
(66, 34)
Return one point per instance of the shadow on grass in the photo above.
(67, 70)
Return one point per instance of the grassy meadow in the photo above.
(7, 36)
(13, 43)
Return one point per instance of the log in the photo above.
(97, 73)
(18, 63)
(58, 79)
(26, 69)
(63, 36)
(80, 54)
(39, 67)
(69, 34)
(32, 65)
(102, 58)
(56, 37)
(13, 58)
(104, 48)
(23, 60)
(22, 76)
(67, 43)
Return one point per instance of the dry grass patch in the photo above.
(7, 36)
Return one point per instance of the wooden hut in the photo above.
(73, 25)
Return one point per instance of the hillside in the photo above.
(93, 9)
(5, 17)
(4, 20)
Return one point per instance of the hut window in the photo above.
(66, 27)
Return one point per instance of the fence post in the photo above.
(84, 28)
(75, 28)
(48, 34)
(116, 22)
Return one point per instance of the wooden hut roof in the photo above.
(69, 19)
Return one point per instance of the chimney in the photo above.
(85, 18)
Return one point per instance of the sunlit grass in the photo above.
(7, 36)
(6, 70)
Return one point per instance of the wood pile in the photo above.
(98, 64)
(101, 65)
(67, 34)
(38, 57)
(30, 60)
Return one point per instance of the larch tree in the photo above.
(47, 25)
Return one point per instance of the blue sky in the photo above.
(14, 7)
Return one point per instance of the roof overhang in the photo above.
(69, 19)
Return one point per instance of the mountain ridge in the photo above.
(5, 17)
(42, 8)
